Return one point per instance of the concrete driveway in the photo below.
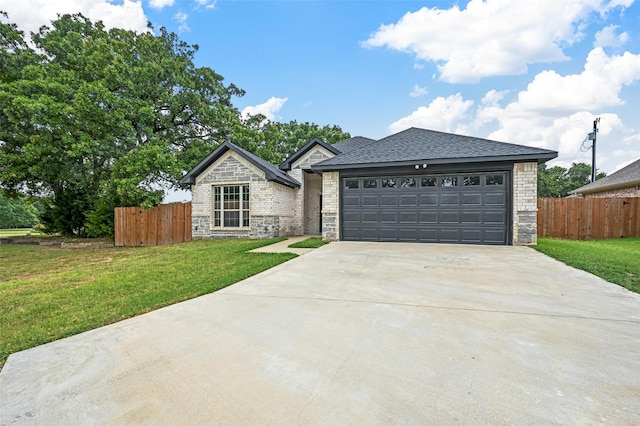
(355, 333)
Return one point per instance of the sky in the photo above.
(534, 73)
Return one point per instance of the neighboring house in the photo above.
(623, 183)
(415, 186)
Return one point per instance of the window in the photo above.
(370, 183)
(351, 184)
(428, 181)
(408, 183)
(471, 180)
(388, 183)
(231, 206)
(449, 181)
(494, 180)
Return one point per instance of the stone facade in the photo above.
(525, 203)
(628, 192)
(331, 206)
(270, 204)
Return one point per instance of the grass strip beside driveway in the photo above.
(614, 260)
(313, 242)
(47, 294)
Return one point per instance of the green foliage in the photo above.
(557, 182)
(313, 242)
(17, 213)
(75, 291)
(90, 113)
(614, 260)
(276, 141)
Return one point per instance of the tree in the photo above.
(17, 213)
(94, 118)
(276, 141)
(557, 182)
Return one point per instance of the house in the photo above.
(415, 186)
(623, 183)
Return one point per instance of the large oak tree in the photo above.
(94, 118)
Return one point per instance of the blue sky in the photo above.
(528, 72)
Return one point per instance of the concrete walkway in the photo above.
(355, 333)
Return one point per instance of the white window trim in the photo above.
(213, 206)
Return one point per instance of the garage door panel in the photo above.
(369, 200)
(424, 209)
(388, 200)
(449, 199)
(408, 217)
(428, 199)
(351, 200)
(472, 199)
(409, 200)
(495, 199)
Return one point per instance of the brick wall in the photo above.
(330, 206)
(525, 208)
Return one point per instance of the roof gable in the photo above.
(432, 147)
(286, 164)
(271, 171)
(625, 177)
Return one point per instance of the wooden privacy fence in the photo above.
(588, 218)
(164, 224)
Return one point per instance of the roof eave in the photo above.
(515, 158)
(606, 187)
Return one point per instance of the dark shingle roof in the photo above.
(286, 164)
(271, 171)
(431, 147)
(355, 142)
(626, 176)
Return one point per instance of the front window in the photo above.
(231, 206)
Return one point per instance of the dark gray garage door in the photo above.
(470, 208)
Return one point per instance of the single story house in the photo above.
(414, 186)
(623, 183)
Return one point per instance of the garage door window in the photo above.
(388, 183)
(494, 180)
(428, 181)
(351, 184)
(370, 183)
(408, 183)
(471, 180)
(449, 181)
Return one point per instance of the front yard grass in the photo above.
(313, 242)
(47, 294)
(615, 260)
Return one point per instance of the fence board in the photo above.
(588, 218)
(164, 224)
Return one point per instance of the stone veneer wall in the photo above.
(331, 206)
(270, 203)
(629, 192)
(525, 203)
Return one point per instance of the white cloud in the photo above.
(490, 37)
(181, 19)
(207, 4)
(268, 109)
(441, 114)
(159, 4)
(418, 91)
(30, 15)
(607, 37)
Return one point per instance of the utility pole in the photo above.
(592, 136)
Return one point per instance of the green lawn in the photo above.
(17, 232)
(615, 260)
(47, 293)
(313, 242)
